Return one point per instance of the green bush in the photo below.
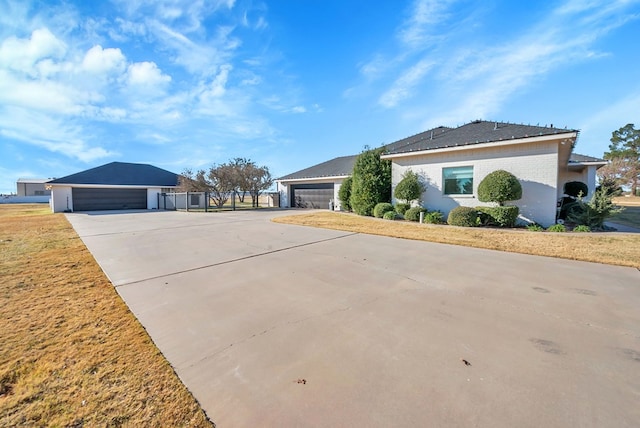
(413, 213)
(391, 215)
(402, 208)
(410, 188)
(433, 217)
(499, 186)
(535, 227)
(582, 228)
(463, 216)
(595, 212)
(344, 194)
(371, 181)
(504, 216)
(557, 228)
(381, 208)
(576, 188)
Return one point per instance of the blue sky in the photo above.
(291, 83)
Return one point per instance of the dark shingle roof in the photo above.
(122, 174)
(333, 168)
(577, 158)
(476, 132)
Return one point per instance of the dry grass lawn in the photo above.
(71, 353)
(611, 248)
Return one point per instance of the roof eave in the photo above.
(325, 177)
(497, 143)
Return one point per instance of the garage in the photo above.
(317, 195)
(97, 199)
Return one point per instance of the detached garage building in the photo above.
(316, 186)
(114, 186)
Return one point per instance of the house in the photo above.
(32, 187)
(453, 161)
(316, 186)
(114, 186)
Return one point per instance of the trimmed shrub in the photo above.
(433, 217)
(413, 213)
(557, 228)
(499, 186)
(371, 181)
(402, 208)
(498, 216)
(410, 188)
(391, 215)
(535, 227)
(463, 216)
(381, 208)
(576, 188)
(582, 228)
(344, 194)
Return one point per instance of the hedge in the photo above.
(413, 213)
(463, 216)
(381, 208)
(505, 216)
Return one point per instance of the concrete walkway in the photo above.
(278, 326)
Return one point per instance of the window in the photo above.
(458, 180)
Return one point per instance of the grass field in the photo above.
(71, 353)
(631, 214)
(611, 248)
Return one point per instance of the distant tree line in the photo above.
(239, 176)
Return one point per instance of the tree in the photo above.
(190, 181)
(344, 194)
(221, 183)
(410, 187)
(625, 148)
(499, 186)
(242, 182)
(371, 181)
(258, 179)
(612, 175)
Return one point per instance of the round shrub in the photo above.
(402, 208)
(344, 194)
(433, 217)
(463, 216)
(576, 188)
(504, 216)
(413, 213)
(582, 228)
(499, 186)
(557, 228)
(381, 208)
(390, 215)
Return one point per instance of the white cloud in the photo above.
(103, 61)
(22, 54)
(55, 135)
(403, 87)
(146, 74)
(425, 16)
(299, 109)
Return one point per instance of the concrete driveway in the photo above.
(288, 326)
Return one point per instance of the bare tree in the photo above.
(221, 183)
(189, 181)
(258, 180)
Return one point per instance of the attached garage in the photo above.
(317, 195)
(96, 199)
(316, 186)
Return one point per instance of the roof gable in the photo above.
(475, 132)
(337, 167)
(122, 174)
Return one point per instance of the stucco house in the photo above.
(114, 186)
(453, 161)
(316, 186)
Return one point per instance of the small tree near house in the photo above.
(500, 186)
(410, 187)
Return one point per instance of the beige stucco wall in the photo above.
(535, 165)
